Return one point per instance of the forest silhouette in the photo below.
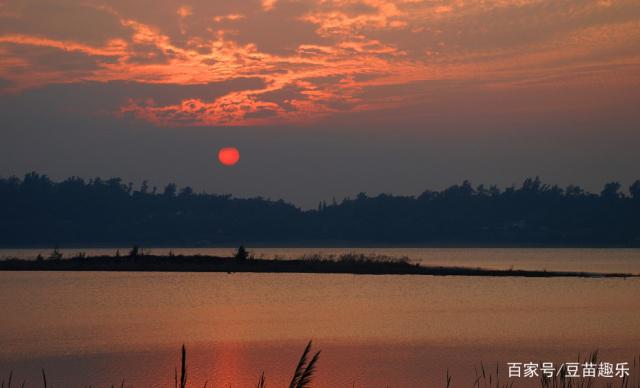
(34, 210)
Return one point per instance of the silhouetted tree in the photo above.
(611, 190)
(574, 191)
(170, 190)
(144, 187)
(135, 251)
(466, 189)
(634, 190)
(241, 253)
(55, 254)
(36, 210)
(532, 186)
(186, 192)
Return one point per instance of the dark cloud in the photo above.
(147, 54)
(339, 105)
(325, 80)
(5, 83)
(261, 114)
(44, 59)
(265, 28)
(363, 77)
(61, 19)
(94, 97)
(355, 9)
(283, 96)
(163, 15)
(259, 26)
(485, 27)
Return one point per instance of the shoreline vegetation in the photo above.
(242, 262)
(37, 211)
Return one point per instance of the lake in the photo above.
(374, 331)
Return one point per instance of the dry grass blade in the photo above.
(262, 382)
(297, 374)
(307, 375)
(183, 369)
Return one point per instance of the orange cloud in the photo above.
(317, 58)
(268, 5)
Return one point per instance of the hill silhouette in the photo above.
(34, 210)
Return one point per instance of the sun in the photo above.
(229, 156)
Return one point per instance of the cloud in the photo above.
(306, 60)
(64, 20)
(113, 98)
(5, 83)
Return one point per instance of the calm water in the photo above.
(374, 331)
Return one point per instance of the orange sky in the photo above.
(300, 62)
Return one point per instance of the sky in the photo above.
(323, 98)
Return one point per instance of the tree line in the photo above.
(34, 210)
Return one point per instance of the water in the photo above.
(374, 331)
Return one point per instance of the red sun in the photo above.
(228, 156)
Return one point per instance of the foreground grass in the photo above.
(302, 375)
(484, 378)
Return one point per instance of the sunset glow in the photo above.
(427, 187)
(209, 63)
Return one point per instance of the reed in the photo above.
(484, 378)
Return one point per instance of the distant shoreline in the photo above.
(346, 264)
(324, 245)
